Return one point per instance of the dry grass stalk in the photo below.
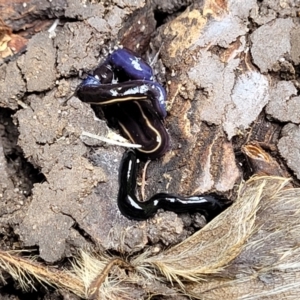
(94, 271)
(268, 265)
(89, 278)
(25, 271)
(250, 251)
(211, 249)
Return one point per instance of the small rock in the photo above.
(284, 102)
(12, 85)
(38, 64)
(289, 148)
(270, 43)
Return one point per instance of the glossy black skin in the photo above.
(126, 61)
(209, 205)
(126, 64)
(134, 77)
(143, 124)
(94, 92)
(129, 116)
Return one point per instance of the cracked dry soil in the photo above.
(232, 78)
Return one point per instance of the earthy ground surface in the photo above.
(232, 73)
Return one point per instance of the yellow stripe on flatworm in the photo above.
(158, 136)
(116, 100)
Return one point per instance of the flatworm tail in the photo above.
(128, 204)
(209, 205)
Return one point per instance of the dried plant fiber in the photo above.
(250, 251)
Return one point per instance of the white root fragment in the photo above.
(111, 139)
(52, 29)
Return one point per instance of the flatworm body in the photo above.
(94, 92)
(209, 205)
(124, 85)
(124, 60)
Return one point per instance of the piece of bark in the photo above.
(136, 33)
(23, 15)
(261, 162)
(205, 87)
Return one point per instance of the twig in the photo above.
(94, 287)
